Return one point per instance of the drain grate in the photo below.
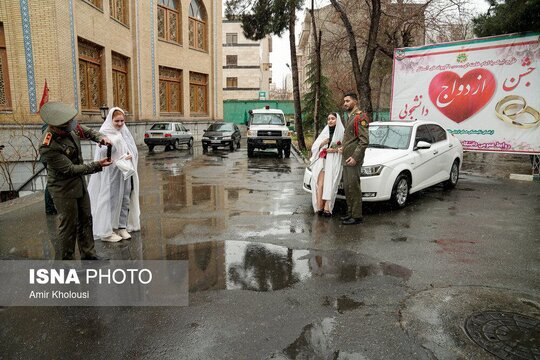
(506, 335)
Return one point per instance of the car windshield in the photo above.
(267, 119)
(161, 127)
(220, 127)
(389, 136)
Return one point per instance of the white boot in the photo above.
(111, 238)
(124, 234)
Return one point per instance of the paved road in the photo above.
(268, 279)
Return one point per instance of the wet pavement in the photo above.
(268, 279)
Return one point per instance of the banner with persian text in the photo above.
(485, 91)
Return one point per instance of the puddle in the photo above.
(399, 239)
(242, 265)
(316, 342)
(343, 303)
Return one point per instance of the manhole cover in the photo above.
(505, 335)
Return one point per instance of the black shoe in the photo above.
(51, 212)
(346, 217)
(327, 214)
(95, 257)
(319, 212)
(352, 221)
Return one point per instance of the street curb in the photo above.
(298, 154)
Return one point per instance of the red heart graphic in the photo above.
(459, 98)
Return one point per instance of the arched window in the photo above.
(197, 25)
(168, 17)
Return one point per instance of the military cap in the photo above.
(56, 113)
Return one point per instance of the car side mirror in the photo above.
(288, 123)
(422, 145)
(205, 130)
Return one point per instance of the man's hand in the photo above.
(350, 161)
(104, 162)
(105, 141)
(340, 149)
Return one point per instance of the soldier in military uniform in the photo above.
(355, 142)
(61, 149)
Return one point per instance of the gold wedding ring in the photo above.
(511, 107)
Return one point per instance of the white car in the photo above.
(403, 158)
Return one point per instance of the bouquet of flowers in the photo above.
(324, 151)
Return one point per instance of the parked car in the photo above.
(267, 129)
(170, 134)
(221, 134)
(403, 158)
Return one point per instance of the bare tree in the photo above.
(20, 144)
(362, 73)
(317, 85)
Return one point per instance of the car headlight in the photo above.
(251, 133)
(226, 138)
(205, 137)
(285, 132)
(371, 170)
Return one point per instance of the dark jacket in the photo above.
(355, 146)
(65, 167)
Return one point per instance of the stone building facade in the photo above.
(246, 64)
(158, 59)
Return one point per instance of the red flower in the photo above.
(338, 143)
(323, 153)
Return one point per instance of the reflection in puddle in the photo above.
(343, 303)
(241, 265)
(316, 342)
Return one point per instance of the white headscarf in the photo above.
(332, 166)
(99, 186)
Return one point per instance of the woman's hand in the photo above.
(331, 150)
(340, 150)
(128, 156)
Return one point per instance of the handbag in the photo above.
(125, 166)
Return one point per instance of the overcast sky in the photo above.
(281, 54)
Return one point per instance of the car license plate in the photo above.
(216, 141)
(269, 141)
(157, 135)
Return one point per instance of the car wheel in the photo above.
(238, 143)
(454, 176)
(250, 151)
(205, 148)
(288, 152)
(231, 146)
(176, 144)
(400, 191)
(150, 147)
(190, 143)
(214, 148)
